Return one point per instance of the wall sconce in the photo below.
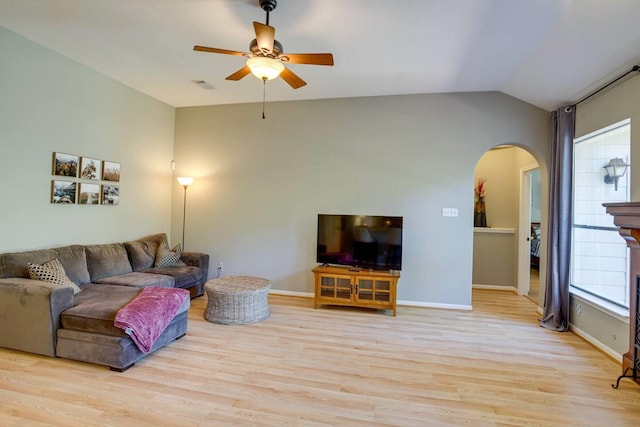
(185, 181)
(614, 171)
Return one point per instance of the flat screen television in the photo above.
(360, 241)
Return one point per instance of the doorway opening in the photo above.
(506, 253)
(529, 228)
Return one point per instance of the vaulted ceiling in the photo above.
(545, 52)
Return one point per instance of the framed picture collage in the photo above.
(84, 180)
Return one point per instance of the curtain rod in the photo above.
(635, 68)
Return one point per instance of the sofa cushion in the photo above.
(139, 280)
(72, 257)
(107, 260)
(166, 257)
(184, 276)
(96, 307)
(74, 261)
(52, 272)
(15, 264)
(142, 252)
(118, 353)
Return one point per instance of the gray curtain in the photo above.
(556, 300)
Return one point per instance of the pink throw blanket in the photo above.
(147, 316)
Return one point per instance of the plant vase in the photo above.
(479, 214)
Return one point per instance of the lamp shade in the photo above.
(185, 181)
(616, 167)
(265, 68)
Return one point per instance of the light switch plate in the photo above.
(450, 212)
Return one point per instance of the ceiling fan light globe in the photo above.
(265, 68)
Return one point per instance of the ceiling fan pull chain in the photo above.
(264, 94)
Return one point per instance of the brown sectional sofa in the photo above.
(40, 318)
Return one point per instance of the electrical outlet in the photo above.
(450, 212)
(220, 266)
(578, 309)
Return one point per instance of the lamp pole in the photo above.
(184, 213)
(185, 181)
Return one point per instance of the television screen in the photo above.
(363, 241)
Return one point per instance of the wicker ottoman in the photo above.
(237, 300)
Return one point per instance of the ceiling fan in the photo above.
(267, 58)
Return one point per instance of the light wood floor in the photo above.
(534, 285)
(493, 366)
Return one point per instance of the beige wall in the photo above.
(501, 168)
(494, 259)
(495, 255)
(261, 183)
(612, 106)
(49, 103)
(605, 329)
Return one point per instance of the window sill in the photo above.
(606, 307)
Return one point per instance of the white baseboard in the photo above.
(585, 336)
(495, 288)
(291, 293)
(434, 305)
(405, 303)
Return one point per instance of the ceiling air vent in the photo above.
(203, 84)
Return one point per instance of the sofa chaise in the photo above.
(38, 317)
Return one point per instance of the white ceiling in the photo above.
(545, 52)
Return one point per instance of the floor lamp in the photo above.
(185, 181)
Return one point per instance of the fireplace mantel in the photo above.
(627, 217)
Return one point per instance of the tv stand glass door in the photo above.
(361, 288)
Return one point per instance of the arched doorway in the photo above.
(502, 251)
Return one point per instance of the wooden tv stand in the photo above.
(355, 287)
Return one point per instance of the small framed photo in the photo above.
(63, 192)
(110, 195)
(111, 171)
(89, 194)
(90, 168)
(65, 165)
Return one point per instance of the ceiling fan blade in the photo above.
(265, 35)
(242, 72)
(308, 58)
(216, 50)
(292, 78)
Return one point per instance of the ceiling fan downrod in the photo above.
(268, 6)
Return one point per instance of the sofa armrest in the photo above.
(197, 259)
(30, 314)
